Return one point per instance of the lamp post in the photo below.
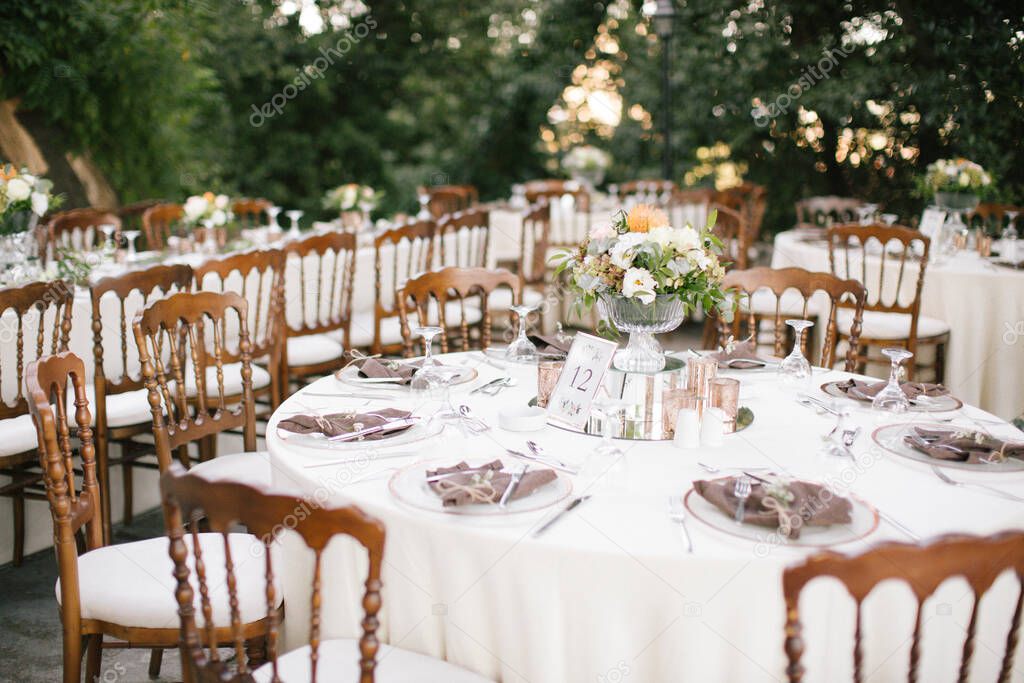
(663, 18)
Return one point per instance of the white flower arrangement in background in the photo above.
(352, 197)
(956, 175)
(22, 192)
(208, 208)
(586, 158)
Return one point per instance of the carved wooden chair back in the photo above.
(259, 277)
(889, 260)
(430, 294)
(182, 342)
(750, 200)
(249, 212)
(779, 281)
(35, 321)
(463, 238)
(131, 214)
(319, 271)
(159, 222)
(534, 241)
(50, 382)
(225, 505)
(569, 204)
(79, 229)
(993, 217)
(977, 560)
(731, 228)
(446, 199)
(690, 207)
(400, 254)
(824, 212)
(653, 192)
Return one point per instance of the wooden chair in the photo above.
(893, 310)
(224, 506)
(186, 345)
(433, 295)
(750, 200)
(446, 199)
(569, 206)
(118, 392)
(319, 272)
(249, 212)
(35, 320)
(823, 212)
(654, 192)
(159, 223)
(977, 560)
(399, 254)
(108, 590)
(992, 217)
(731, 228)
(745, 283)
(690, 207)
(259, 277)
(462, 239)
(79, 229)
(131, 214)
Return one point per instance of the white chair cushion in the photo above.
(501, 299)
(128, 408)
(391, 328)
(232, 379)
(131, 584)
(18, 435)
(252, 469)
(878, 325)
(313, 349)
(339, 663)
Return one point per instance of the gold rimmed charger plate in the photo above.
(890, 438)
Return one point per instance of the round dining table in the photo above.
(612, 591)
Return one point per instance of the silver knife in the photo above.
(567, 509)
(545, 460)
(513, 485)
(390, 426)
(493, 382)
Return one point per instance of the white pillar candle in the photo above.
(712, 428)
(687, 429)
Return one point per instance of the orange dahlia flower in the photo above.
(642, 217)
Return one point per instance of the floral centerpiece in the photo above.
(955, 183)
(24, 199)
(587, 164)
(208, 209)
(353, 202)
(646, 276)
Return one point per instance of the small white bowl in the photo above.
(524, 419)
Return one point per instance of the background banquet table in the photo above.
(983, 304)
(609, 592)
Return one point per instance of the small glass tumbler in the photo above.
(725, 394)
(548, 372)
(672, 401)
(699, 373)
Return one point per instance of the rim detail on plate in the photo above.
(890, 438)
(942, 404)
(350, 375)
(864, 522)
(418, 432)
(409, 487)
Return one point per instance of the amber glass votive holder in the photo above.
(725, 394)
(548, 372)
(672, 401)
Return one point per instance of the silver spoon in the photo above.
(716, 470)
(475, 423)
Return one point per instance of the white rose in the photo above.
(195, 207)
(686, 239)
(40, 203)
(700, 259)
(965, 179)
(18, 189)
(663, 236)
(679, 267)
(622, 254)
(219, 217)
(221, 201)
(638, 283)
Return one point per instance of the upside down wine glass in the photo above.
(522, 350)
(892, 398)
(795, 369)
(425, 378)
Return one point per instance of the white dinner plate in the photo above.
(350, 375)
(925, 404)
(409, 486)
(890, 437)
(418, 432)
(863, 521)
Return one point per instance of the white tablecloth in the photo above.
(982, 304)
(608, 594)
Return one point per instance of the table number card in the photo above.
(587, 361)
(931, 222)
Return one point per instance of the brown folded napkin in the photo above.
(375, 368)
(786, 505)
(738, 352)
(344, 423)
(976, 448)
(865, 391)
(550, 343)
(484, 483)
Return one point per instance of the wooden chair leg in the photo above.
(156, 658)
(256, 652)
(72, 654)
(18, 508)
(93, 658)
(129, 492)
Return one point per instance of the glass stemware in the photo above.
(1009, 248)
(294, 215)
(889, 218)
(605, 467)
(795, 368)
(272, 214)
(424, 199)
(425, 379)
(109, 247)
(866, 213)
(131, 236)
(892, 398)
(522, 350)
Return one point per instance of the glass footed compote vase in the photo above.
(522, 350)
(795, 369)
(643, 353)
(891, 398)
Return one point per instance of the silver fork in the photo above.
(677, 514)
(742, 491)
(953, 482)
